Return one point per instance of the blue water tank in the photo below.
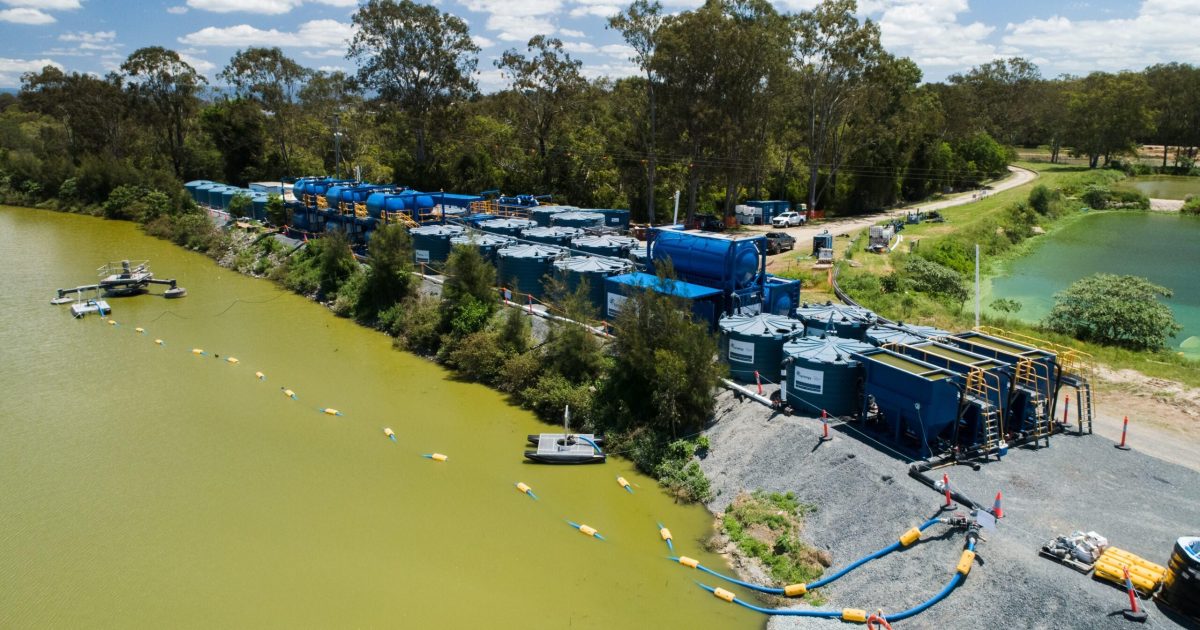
(487, 244)
(726, 262)
(781, 296)
(850, 322)
(259, 203)
(918, 402)
(823, 373)
(754, 344)
(578, 219)
(227, 196)
(507, 227)
(431, 243)
(204, 190)
(822, 240)
(613, 218)
(543, 214)
(193, 185)
(557, 235)
(605, 245)
(574, 270)
(521, 268)
(705, 303)
(901, 333)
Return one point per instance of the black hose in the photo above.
(917, 471)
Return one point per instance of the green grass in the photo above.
(767, 526)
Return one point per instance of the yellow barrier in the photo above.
(1145, 575)
(854, 614)
(909, 537)
(689, 562)
(794, 590)
(721, 593)
(965, 562)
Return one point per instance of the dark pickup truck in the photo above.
(780, 242)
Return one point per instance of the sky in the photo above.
(942, 36)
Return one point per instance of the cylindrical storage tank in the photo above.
(850, 322)
(578, 219)
(575, 269)
(431, 243)
(902, 334)
(227, 196)
(543, 214)
(522, 267)
(614, 218)
(754, 343)
(487, 244)
(259, 201)
(605, 245)
(507, 227)
(732, 263)
(193, 185)
(822, 374)
(204, 190)
(556, 235)
(639, 254)
(1181, 587)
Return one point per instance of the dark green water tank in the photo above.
(522, 267)
(850, 322)
(821, 373)
(605, 245)
(431, 243)
(572, 271)
(507, 227)
(578, 219)
(902, 334)
(754, 343)
(487, 244)
(543, 214)
(556, 235)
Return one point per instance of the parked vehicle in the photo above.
(788, 219)
(780, 242)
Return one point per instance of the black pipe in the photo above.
(917, 471)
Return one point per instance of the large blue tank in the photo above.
(259, 202)
(574, 270)
(521, 268)
(551, 235)
(705, 303)
(487, 244)
(202, 192)
(543, 214)
(726, 262)
(228, 194)
(850, 322)
(379, 202)
(578, 219)
(431, 243)
(753, 344)
(822, 373)
(781, 296)
(901, 333)
(605, 245)
(193, 185)
(917, 403)
(613, 218)
(507, 227)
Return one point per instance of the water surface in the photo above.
(144, 486)
(1164, 186)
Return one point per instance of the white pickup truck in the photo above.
(788, 219)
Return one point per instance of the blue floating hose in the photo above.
(670, 545)
(824, 614)
(590, 442)
(922, 607)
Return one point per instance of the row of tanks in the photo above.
(923, 390)
(219, 196)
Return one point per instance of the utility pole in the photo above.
(977, 285)
(337, 144)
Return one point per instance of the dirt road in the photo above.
(838, 226)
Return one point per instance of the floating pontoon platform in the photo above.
(559, 448)
(125, 278)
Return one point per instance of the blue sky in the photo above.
(942, 36)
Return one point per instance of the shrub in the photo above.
(1096, 196)
(335, 261)
(951, 253)
(552, 393)
(681, 474)
(939, 280)
(1122, 311)
(241, 206)
(1191, 205)
(349, 294)
(389, 279)
(479, 356)
(416, 325)
(1043, 200)
(519, 370)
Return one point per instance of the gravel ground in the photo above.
(865, 500)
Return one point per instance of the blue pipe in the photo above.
(920, 608)
(825, 614)
(592, 443)
(823, 581)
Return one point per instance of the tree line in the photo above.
(733, 100)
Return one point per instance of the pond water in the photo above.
(1164, 186)
(1163, 247)
(144, 486)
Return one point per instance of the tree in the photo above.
(389, 279)
(416, 57)
(167, 88)
(236, 129)
(92, 108)
(469, 292)
(1000, 97)
(241, 206)
(278, 213)
(1108, 113)
(834, 55)
(572, 350)
(1177, 103)
(335, 262)
(1122, 311)
(639, 24)
(549, 85)
(274, 80)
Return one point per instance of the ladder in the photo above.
(1043, 423)
(403, 217)
(1084, 406)
(990, 418)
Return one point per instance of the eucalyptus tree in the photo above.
(92, 109)
(550, 87)
(1176, 98)
(1108, 113)
(274, 80)
(167, 89)
(639, 24)
(417, 57)
(1000, 97)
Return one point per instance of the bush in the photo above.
(1191, 205)
(389, 279)
(951, 253)
(519, 370)
(552, 393)
(415, 325)
(479, 357)
(929, 277)
(335, 261)
(680, 473)
(468, 294)
(349, 294)
(1122, 311)
(241, 206)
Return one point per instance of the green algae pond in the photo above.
(1163, 247)
(1164, 186)
(147, 486)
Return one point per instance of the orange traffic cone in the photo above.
(998, 511)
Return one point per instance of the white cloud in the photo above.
(482, 41)
(610, 70)
(47, 5)
(203, 66)
(1161, 31)
(325, 54)
(26, 16)
(515, 28)
(598, 10)
(12, 69)
(929, 32)
(179, 10)
(312, 34)
(570, 32)
(579, 48)
(339, 3)
(99, 40)
(517, 20)
(265, 7)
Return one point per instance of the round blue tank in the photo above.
(543, 214)
(573, 271)
(557, 235)
(614, 218)
(507, 227)
(902, 334)
(823, 374)
(227, 196)
(754, 343)
(522, 268)
(850, 322)
(204, 190)
(431, 243)
(487, 244)
(259, 201)
(578, 219)
(718, 261)
(605, 245)
(193, 185)
(639, 254)
(333, 196)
